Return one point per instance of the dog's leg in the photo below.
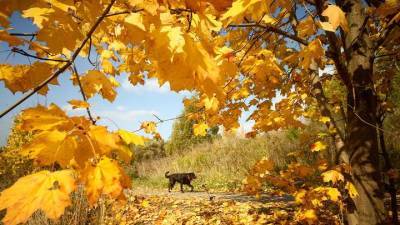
(181, 187)
(191, 187)
(171, 185)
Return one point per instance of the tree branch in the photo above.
(83, 94)
(338, 136)
(124, 12)
(23, 34)
(273, 29)
(336, 54)
(24, 53)
(63, 68)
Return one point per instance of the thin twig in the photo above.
(23, 34)
(63, 68)
(170, 119)
(83, 94)
(158, 117)
(273, 29)
(24, 53)
(368, 123)
(124, 12)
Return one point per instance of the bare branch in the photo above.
(24, 53)
(158, 117)
(23, 34)
(124, 12)
(273, 29)
(335, 53)
(83, 94)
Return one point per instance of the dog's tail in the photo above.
(166, 174)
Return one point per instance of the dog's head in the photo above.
(192, 176)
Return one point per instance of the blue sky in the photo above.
(133, 104)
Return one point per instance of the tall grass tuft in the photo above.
(220, 165)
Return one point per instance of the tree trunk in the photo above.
(391, 187)
(361, 140)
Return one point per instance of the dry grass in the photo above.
(79, 213)
(220, 165)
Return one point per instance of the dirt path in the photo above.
(238, 197)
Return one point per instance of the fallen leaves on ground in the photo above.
(167, 209)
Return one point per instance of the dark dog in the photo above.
(182, 178)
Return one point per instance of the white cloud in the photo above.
(150, 86)
(121, 108)
(70, 111)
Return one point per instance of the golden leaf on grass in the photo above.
(78, 104)
(263, 166)
(318, 146)
(200, 129)
(307, 215)
(44, 190)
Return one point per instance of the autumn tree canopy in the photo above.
(237, 55)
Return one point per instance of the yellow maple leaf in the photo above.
(44, 190)
(11, 40)
(136, 79)
(324, 119)
(312, 54)
(149, 127)
(200, 129)
(150, 6)
(136, 19)
(103, 140)
(210, 104)
(306, 27)
(104, 178)
(318, 146)
(351, 189)
(78, 104)
(239, 7)
(268, 19)
(332, 175)
(333, 194)
(263, 166)
(176, 39)
(23, 77)
(49, 147)
(41, 118)
(95, 81)
(307, 215)
(131, 138)
(39, 15)
(336, 18)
